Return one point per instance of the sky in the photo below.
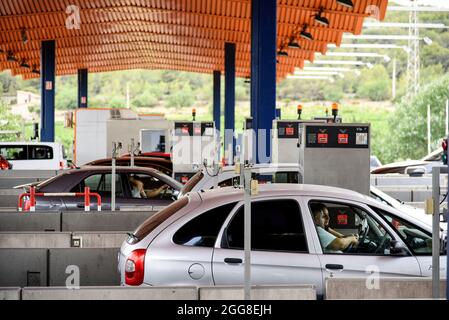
(434, 3)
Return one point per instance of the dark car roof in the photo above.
(71, 177)
(161, 164)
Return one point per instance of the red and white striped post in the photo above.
(33, 199)
(86, 199)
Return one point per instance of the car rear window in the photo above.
(155, 220)
(192, 182)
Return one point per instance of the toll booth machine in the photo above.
(328, 151)
(336, 154)
(194, 145)
(286, 140)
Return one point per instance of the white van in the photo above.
(34, 155)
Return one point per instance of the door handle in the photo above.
(233, 260)
(334, 267)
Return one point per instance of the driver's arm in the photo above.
(343, 243)
(155, 192)
(335, 233)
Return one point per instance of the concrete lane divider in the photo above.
(385, 288)
(298, 292)
(10, 293)
(111, 293)
(102, 239)
(23, 267)
(30, 221)
(103, 221)
(92, 266)
(35, 239)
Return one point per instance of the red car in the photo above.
(161, 164)
(4, 164)
(154, 154)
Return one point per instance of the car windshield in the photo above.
(50, 180)
(434, 156)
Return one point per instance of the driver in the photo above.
(330, 242)
(138, 190)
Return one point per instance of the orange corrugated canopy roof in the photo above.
(185, 35)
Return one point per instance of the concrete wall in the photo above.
(10, 293)
(97, 267)
(103, 221)
(72, 221)
(23, 239)
(11, 178)
(23, 267)
(9, 198)
(101, 239)
(111, 293)
(303, 292)
(35, 239)
(30, 221)
(389, 288)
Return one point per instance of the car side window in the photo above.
(101, 183)
(14, 152)
(276, 225)
(40, 152)
(419, 241)
(286, 177)
(149, 187)
(229, 182)
(344, 228)
(202, 231)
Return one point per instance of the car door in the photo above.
(373, 253)
(282, 250)
(101, 184)
(158, 194)
(182, 254)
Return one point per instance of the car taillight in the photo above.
(134, 267)
(4, 165)
(61, 164)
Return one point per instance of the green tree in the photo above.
(408, 126)
(375, 84)
(9, 122)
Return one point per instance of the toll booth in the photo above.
(152, 140)
(335, 154)
(97, 129)
(286, 140)
(194, 145)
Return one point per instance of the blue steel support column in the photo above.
(217, 108)
(48, 72)
(217, 100)
(82, 88)
(263, 72)
(229, 112)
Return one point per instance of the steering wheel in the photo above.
(363, 231)
(163, 193)
(382, 244)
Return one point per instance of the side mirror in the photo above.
(415, 171)
(398, 249)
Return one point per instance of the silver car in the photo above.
(198, 240)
